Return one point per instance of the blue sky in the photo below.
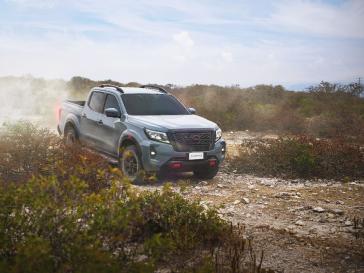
(293, 43)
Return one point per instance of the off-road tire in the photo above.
(70, 136)
(131, 164)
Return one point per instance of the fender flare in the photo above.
(128, 136)
(74, 122)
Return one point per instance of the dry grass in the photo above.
(301, 157)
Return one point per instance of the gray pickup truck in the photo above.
(144, 129)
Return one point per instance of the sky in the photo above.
(289, 42)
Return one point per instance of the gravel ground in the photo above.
(301, 225)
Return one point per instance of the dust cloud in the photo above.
(31, 99)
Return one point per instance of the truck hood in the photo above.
(172, 122)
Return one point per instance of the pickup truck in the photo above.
(145, 130)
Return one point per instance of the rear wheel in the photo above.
(207, 173)
(131, 165)
(70, 136)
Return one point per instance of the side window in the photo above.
(111, 102)
(97, 101)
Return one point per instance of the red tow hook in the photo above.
(212, 163)
(175, 165)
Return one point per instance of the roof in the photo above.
(138, 90)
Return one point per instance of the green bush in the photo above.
(301, 157)
(68, 211)
(52, 226)
(27, 151)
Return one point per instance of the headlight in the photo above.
(218, 134)
(157, 136)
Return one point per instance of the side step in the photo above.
(112, 160)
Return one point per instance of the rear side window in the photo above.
(111, 102)
(97, 101)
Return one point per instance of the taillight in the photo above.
(58, 113)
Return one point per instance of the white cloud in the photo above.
(35, 3)
(227, 56)
(184, 39)
(318, 18)
(200, 45)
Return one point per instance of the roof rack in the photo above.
(150, 86)
(111, 85)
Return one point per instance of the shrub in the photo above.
(27, 151)
(52, 226)
(301, 157)
(68, 211)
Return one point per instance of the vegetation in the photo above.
(301, 157)
(64, 211)
(325, 110)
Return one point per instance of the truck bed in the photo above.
(70, 109)
(78, 102)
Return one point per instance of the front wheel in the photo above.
(131, 165)
(207, 173)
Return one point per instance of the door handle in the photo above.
(100, 122)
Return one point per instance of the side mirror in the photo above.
(192, 110)
(112, 113)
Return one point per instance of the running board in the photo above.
(112, 160)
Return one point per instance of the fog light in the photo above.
(153, 153)
(223, 147)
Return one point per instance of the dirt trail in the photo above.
(302, 225)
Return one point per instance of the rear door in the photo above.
(111, 128)
(91, 119)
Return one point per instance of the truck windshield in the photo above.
(153, 104)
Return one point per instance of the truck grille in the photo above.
(192, 141)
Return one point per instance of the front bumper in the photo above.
(158, 156)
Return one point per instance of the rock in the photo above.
(220, 186)
(204, 204)
(318, 209)
(348, 223)
(245, 200)
(339, 202)
(330, 215)
(286, 195)
(338, 211)
(267, 183)
(300, 223)
(236, 202)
